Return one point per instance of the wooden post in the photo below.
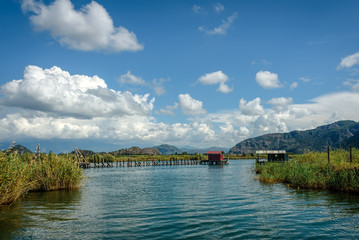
(350, 151)
(328, 155)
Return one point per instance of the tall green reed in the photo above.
(21, 174)
(311, 170)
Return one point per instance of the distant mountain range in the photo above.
(166, 149)
(342, 134)
(136, 151)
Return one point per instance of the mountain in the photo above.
(166, 149)
(20, 149)
(339, 134)
(136, 151)
(352, 141)
(203, 150)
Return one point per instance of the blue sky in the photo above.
(107, 74)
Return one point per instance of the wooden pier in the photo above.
(142, 163)
(214, 158)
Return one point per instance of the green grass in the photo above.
(21, 174)
(311, 170)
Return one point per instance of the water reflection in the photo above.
(36, 210)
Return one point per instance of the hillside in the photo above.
(166, 149)
(21, 149)
(136, 151)
(204, 150)
(339, 134)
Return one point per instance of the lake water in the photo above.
(181, 202)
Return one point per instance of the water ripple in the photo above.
(182, 202)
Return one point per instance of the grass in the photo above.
(311, 170)
(21, 174)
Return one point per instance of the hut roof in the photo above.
(214, 152)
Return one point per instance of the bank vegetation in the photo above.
(20, 174)
(313, 170)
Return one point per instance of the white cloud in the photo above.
(90, 28)
(53, 104)
(218, 7)
(168, 110)
(280, 104)
(349, 61)
(251, 108)
(131, 79)
(287, 117)
(249, 120)
(224, 88)
(268, 80)
(216, 78)
(322, 109)
(221, 29)
(352, 83)
(191, 106)
(56, 91)
(293, 85)
(213, 78)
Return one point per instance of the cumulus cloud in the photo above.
(53, 104)
(131, 79)
(280, 104)
(191, 106)
(222, 28)
(168, 110)
(224, 88)
(213, 78)
(90, 28)
(267, 79)
(253, 120)
(349, 61)
(216, 78)
(251, 108)
(56, 91)
(249, 120)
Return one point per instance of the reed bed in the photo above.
(312, 170)
(22, 174)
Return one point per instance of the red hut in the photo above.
(215, 156)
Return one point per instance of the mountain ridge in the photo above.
(166, 149)
(336, 135)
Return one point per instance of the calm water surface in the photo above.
(182, 202)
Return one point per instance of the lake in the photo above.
(181, 202)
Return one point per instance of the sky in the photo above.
(106, 75)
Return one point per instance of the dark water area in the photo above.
(182, 202)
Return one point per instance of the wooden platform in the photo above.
(211, 162)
